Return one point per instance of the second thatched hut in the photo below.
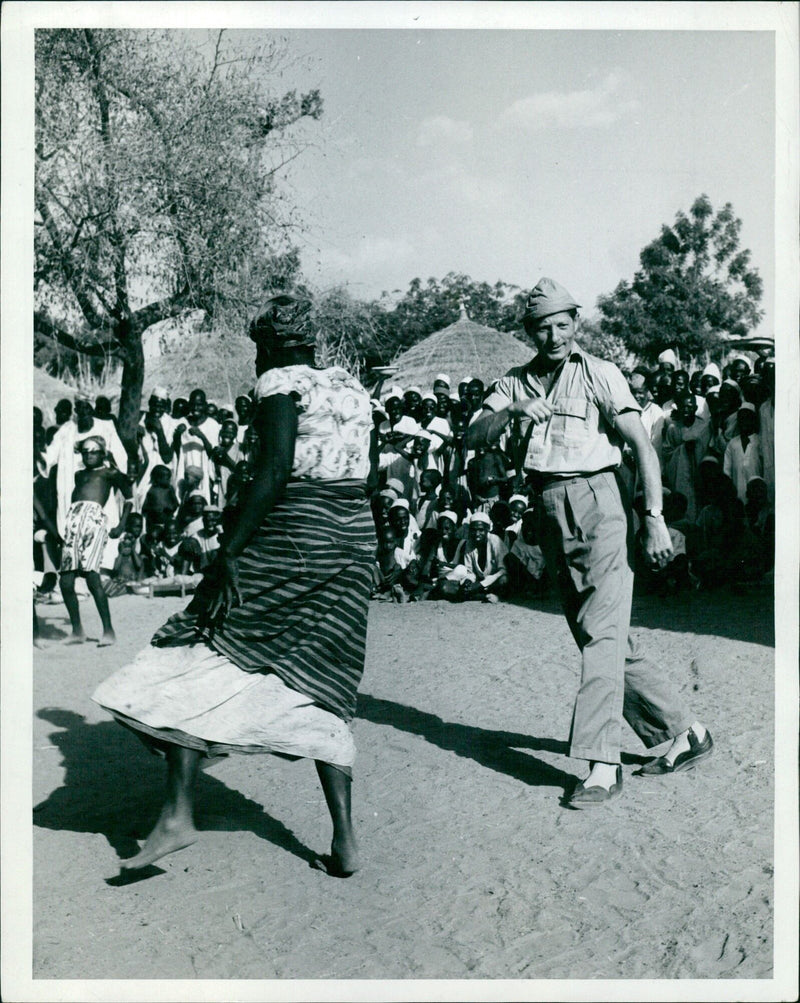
(464, 348)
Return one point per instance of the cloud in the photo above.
(596, 108)
(441, 129)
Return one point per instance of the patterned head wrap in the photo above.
(284, 322)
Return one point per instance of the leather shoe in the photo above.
(697, 752)
(590, 797)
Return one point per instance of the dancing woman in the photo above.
(269, 654)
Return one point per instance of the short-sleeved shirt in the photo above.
(580, 436)
(334, 420)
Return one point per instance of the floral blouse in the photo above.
(334, 420)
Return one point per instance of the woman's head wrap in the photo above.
(284, 321)
(548, 297)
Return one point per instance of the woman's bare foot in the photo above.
(342, 861)
(108, 638)
(168, 836)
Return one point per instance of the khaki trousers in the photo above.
(586, 538)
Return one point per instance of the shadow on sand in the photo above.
(496, 750)
(114, 787)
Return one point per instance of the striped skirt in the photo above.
(282, 672)
(305, 580)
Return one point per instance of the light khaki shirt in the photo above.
(579, 437)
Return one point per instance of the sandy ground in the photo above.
(472, 868)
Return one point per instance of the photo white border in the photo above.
(16, 267)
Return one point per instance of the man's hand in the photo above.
(535, 408)
(115, 532)
(180, 430)
(656, 542)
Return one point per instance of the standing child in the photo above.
(223, 462)
(86, 534)
(161, 501)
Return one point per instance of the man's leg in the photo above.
(73, 607)
(101, 601)
(336, 785)
(175, 826)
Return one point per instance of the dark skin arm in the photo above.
(194, 430)
(153, 424)
(275, 421)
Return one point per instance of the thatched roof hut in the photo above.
(465, 348)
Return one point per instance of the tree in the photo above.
(431, 306)
(694, 286)
(157, 162)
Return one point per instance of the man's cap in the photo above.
(160, 392)
(393, 484)
(747, 406)
(402, 503)
(447, 514)
(465, 380)
(741, 358)
(480, 517)
(712, 369)
(548, 297)
(522, 498)
(442, 378)
(430, 397)
(413, 390)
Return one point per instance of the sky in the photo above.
(512, 154)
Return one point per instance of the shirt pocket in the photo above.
(569, 423)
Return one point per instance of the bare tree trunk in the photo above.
(130, 400)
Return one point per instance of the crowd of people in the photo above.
(451, 522)
(462, 524)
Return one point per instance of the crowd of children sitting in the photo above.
(451, 523)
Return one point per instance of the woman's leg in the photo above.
(336, 785)
(175, 826)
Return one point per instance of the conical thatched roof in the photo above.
(462, 349)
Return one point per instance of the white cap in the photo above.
(393, 484)
(394, 391)
(402, 503)
(480, 517)
(521, 498)
(161, 392)
(414, 390)
(423, 433)
(447, 514)
(747, 406)
(741, 358)
(442, 378)
(430, 397)
(466, 379)
(712, 369)
(668, 356)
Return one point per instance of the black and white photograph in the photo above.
(400, 593)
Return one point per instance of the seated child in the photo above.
(406, 551)
(525, 561)
(127, 567)
(444, 556)
(482, 573)
(206, 540)
(86, 535)
(160, 502)
(171, 556)
(190, 514)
